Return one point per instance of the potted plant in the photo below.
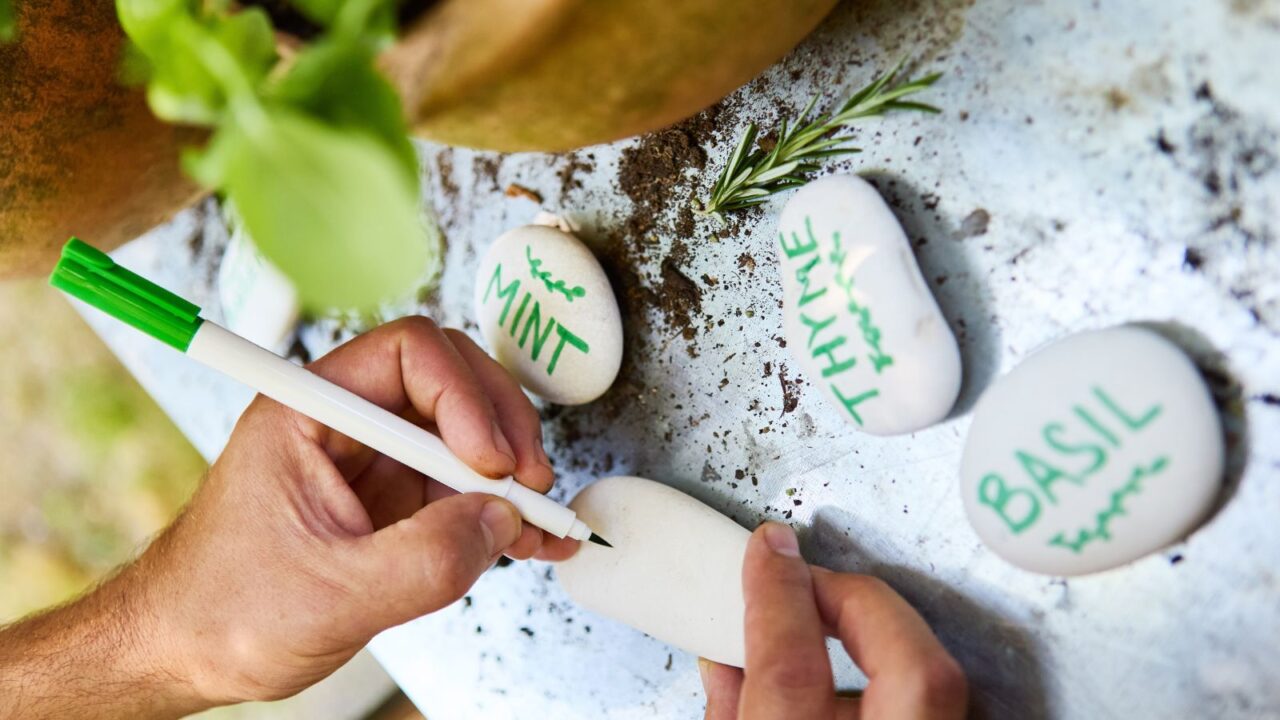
(307, 104)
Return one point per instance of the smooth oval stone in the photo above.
(1096, 450)
(858, 316)
(548, 314)
(674, 571)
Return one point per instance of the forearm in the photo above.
(102, 656)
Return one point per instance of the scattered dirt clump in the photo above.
(487, 168)
(790, 398)
(650, 171)
(516, 190)
(444, 171)
(680, 299)
(574, 164)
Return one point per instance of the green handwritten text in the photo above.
(533, 332)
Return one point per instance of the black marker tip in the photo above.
(599, 540)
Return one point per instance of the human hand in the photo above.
(302, 544)
(791, 607)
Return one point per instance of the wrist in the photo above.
(104, 655)
(137, 627)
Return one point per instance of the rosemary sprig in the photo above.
(751, 175)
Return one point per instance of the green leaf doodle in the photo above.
(1102, 527)
(549, 280)
(870, 332)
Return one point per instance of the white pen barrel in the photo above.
(544, 512)
(358, 419)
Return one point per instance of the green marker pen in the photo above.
(90, 275)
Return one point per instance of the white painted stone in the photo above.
(858, 315)
(548, 314)
(1096, 450)
(674, 571)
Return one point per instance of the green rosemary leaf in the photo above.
(743, 146)
(872, 89)
(780, 171)
(807, 109)
(917, 106)
(751, 175)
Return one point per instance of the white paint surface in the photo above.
(858, 315)
(1090, 223)
(674, 571)
(548, 314)
(1095, 451)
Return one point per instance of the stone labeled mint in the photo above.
(548, 314)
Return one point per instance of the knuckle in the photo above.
(856, 591)
(868, 585)
(808, 672)
(416, 327)
(456, 336)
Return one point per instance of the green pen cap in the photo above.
(89, 274)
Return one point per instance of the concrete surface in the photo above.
(1098, 163)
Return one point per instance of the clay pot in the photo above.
(79, 154)
(560, 74)
(83, 155)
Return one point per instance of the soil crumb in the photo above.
(790, 398)
(515, 190)
(975, 224)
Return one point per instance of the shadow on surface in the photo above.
(1001, 660)
(1228, 398)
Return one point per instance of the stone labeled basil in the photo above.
(548, 314)
(858, 315)
(1095, 451)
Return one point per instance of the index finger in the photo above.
(410, 363)
(788, 674)
(910, 674)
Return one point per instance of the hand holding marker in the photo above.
(90, 275)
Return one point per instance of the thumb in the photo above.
(432, 558)
(723, 685)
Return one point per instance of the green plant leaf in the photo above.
(339, 83)
(8, 22)
(315, 154)
(321, 11)
(249, 37)
(330, 207)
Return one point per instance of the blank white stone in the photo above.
(858, 315)
(548, 314)
(674, 571)
(1096, 450)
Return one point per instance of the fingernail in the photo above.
(704, 669)
(782, 539)
(501, 525)
(500, 442)
(542, 453)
